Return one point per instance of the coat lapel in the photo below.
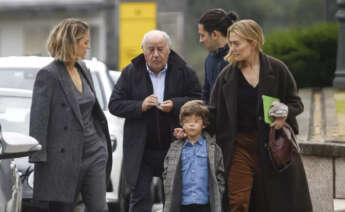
(87, 75)
(67, 86)
(230, 94)
(210, 142)
(266, 79)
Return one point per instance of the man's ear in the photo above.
(214, 34)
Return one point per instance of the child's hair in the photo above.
(194, 107)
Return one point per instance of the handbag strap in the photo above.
(272, 134)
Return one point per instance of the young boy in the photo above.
(193, 174)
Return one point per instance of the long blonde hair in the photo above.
(249, 30)
(64, 37)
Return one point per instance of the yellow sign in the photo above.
(136, 18)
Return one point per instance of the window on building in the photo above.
(35, 39)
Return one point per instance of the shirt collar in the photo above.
(221, 52)
(200, 141)
(162, 71)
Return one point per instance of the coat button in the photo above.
(260, 118)
(62, 150)
(65, 128)
(63, 104)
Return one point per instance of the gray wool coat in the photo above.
(56, 122)
(172, 177)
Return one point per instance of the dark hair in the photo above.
(218, 19)
(194, 107)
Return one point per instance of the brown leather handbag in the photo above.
(282, 147)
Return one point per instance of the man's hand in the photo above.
(166, 106)
(278, 122)
(149, 102)
(179, 133)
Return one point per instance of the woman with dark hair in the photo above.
(212, 31)
(241, 132)
(69, 123)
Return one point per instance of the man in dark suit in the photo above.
(149, 94)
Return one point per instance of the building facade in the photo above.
(25, 24)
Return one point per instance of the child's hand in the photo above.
(179, 133)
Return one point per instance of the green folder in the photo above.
(267, 102)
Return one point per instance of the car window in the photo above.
(24, 79)
(15, 114)
(17, 78)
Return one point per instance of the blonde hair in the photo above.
(249, 30)
(64, 37)
(194, 107)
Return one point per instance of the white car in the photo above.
(13, 145)
(19, 73)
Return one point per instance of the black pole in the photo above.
(339, 80)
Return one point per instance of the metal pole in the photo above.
(339, 80)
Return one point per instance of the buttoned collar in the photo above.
(200, 141)
(161, 72)
(221, 52)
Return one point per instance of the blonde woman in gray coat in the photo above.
(69, 123)
(193, 174)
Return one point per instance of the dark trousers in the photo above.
(152, 165)
(245, 175)
(195, 208)
(61, 207)
(92, 181)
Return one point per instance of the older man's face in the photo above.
(156, 52)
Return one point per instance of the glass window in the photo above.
(15, 114)
(17, 78)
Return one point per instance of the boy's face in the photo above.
(193, 125)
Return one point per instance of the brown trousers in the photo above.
(245, 175)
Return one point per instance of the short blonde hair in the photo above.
(64, 37)
(249, 30)
(194, 107)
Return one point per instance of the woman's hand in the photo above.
(278, 122)
(179, 133)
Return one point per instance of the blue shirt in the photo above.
(194, 172)
(158, 82)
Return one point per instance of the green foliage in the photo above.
(309, 52)
(270, 14)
